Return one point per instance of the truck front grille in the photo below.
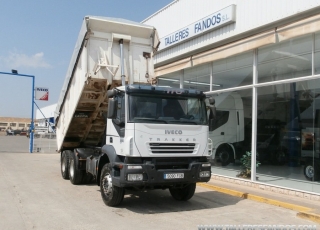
(172, 148)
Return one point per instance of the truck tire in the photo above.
(225, 155)
(65, 165)
(278, 157)
(87, 178)
(183, 194)
(111, 195)
(75, 174)
(311, 172)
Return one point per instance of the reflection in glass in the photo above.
(233, 71)
(285, 60)
(317, 54)
(289, 134)
(231, 137)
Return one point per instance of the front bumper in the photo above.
(154, 176)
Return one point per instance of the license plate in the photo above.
(173, 175)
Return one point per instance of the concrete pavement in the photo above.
(306, 209)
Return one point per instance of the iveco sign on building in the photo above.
(213, 21)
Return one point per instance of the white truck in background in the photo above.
(231, 133)
(228, 129)
(113, 124)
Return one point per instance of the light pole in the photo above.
(15, 72)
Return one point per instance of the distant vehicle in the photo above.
(13, 132)
(9, 132)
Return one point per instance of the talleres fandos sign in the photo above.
(41, 93)
(220, 18)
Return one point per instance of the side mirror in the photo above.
(211, 125)
(212, 117)
(212, 101)
(112, 109)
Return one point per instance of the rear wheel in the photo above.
(111, 194)
(184, 193)
(65, 165)
(75, 174)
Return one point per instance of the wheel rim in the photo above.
(107, 185)
(71, 169)
(309, 171)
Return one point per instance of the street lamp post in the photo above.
(15, 72)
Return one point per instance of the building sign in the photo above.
(42, 94)
(220, 18)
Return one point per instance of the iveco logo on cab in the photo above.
(173, 131)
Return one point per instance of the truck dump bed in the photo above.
(97, 65)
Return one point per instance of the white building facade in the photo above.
(45, 117)
(260, 60)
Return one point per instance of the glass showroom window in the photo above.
(317, 54)
(193, 78)
(198, 77)
(171, 79)
(231, 136)
(285, 60)
(233, 71)
(287, 133)
(226, 73)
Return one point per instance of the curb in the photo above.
(303, 212)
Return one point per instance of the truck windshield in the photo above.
(167, 110)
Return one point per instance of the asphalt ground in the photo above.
(34, 196)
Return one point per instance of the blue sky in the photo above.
(37, 38)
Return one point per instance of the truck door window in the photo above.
(120, 120)
(222, 117)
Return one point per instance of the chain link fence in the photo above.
(45, 143)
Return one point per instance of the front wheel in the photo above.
(111, 194)
(225, 155)
(278, 157)
(183, 194)
(311, 170)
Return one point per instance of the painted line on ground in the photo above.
(303, 212)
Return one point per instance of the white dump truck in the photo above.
(114, 125)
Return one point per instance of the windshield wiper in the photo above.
(150, 119)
